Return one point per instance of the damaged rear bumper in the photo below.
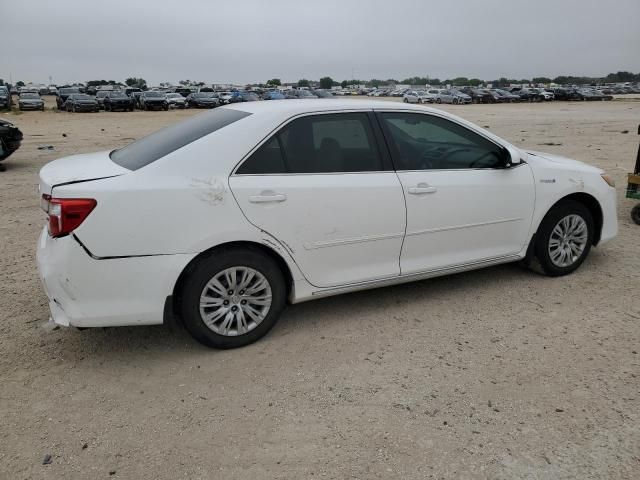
(86, 291)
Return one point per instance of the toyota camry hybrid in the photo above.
(223, 219)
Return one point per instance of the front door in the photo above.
(463, 206)
(324, 187)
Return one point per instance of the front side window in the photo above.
(426, 142)
(331, 143)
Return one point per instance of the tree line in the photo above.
(328, 82)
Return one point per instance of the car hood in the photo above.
(78, 168)
(562, 162)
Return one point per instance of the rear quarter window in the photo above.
(148, 149)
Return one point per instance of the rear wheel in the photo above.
(233, 298)
(564, 238)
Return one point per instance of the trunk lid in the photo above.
(78, 168)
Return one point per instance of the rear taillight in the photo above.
(66, 214)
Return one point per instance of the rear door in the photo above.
(324, 187)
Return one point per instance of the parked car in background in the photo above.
(202, 100)
(300, 94)
(249, 232)
(590, 94)
(505, 96)
(273, 95)
(153, 100)
(62, 95)
(322, 93)
(176, 100)
(246, 96)
(118, 100)
(131, 90)
(30, 101)
(81, 102)
(100, 96)
(452, 96)
(410, 96)
(5, 97)
(10, 139)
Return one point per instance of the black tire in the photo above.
(635, 214)
(438, 100)
(210, 266)
(543, 237)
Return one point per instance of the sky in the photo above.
(250, 41)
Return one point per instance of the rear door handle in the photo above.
(422, 188)
(267, 197)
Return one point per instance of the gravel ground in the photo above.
(498, 373)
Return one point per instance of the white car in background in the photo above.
(176, 100)
(224, 218)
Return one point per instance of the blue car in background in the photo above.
(273, 95)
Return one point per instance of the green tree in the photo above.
(541, 80)
(1, 81)
(140, 83)
(474, 82)
(275, 82)
(19, 83)
(460, 81)
(303, 82)
(326, 82)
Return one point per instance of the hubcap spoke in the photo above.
(568, 240)
(235, 301)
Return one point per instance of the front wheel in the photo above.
(635, 214)
(233, 298)
(564, 238)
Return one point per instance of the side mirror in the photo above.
(512, 157)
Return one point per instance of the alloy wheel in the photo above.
(568, 240)
(235, 301)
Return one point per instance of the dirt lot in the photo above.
(499, 373)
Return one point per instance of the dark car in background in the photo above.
(5, 97)
(81, 102)
(62, 95)
(30, 101)
(118, 100)
(10, 138)
(506, 97)
(153, 100)
(202, 100)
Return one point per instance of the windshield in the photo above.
(68, 91)
(174, 95)
(82, 97)
(29, 95)
(161, 143)
(118, 95)
(153, 94)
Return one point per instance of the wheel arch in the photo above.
(247, 244)
(591, 203)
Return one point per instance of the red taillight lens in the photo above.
(66, 214)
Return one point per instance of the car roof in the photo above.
(289, 108)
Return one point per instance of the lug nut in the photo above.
(230, 292)
(226, 302)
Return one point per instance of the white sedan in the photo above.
(224, 218)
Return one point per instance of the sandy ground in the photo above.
(498, 373)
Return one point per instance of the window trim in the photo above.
(380, 145)
(392, 147)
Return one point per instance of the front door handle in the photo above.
(267, 197)
(422, 188)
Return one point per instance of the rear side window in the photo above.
(161, 143)
(331, 143)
